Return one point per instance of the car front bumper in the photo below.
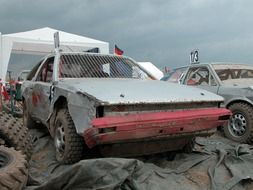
(154, 126)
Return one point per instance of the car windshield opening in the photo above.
(98, 66)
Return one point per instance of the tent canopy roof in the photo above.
(46, 35)
(41, 42)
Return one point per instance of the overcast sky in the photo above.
(160, 31)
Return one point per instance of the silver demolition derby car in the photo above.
(232, 81)
(92, 100)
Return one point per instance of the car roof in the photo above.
(217, 64)
(226, 65)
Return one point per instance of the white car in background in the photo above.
(232, 81)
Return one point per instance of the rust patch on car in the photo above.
(35, 98)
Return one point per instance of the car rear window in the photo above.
(230, 72)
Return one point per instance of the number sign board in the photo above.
(194, 57)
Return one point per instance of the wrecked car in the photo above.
(89, 101)
(232, 81)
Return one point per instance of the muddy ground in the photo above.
(216, 163)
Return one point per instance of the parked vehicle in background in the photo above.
(175, 75)
(94, 100)
(235, 83)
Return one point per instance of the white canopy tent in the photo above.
(151, 69)
(41, 42)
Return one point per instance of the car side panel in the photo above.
(41, 100)
(232, 94)
(81, 108)
(27, 88)
(213, 89)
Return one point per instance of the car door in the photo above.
(201, 77)
(41, 92)
(27, 87)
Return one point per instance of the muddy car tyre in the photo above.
(15, 134)
(240, 126)
(27, 119)
(68, 144)
(13, 169)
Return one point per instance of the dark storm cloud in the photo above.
(160, 31)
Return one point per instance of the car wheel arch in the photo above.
(60, 103)
(234, 101)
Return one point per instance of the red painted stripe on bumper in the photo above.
(152, 125)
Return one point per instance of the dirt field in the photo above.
(216, 163)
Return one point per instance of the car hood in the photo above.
(136, 91)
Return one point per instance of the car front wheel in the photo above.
(68, 144)
(240, 125)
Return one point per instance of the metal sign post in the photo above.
(57, 55)
(56, 40)
(194, 57)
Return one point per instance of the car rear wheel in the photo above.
(69, 145)
(240, 125)
(13, 169)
